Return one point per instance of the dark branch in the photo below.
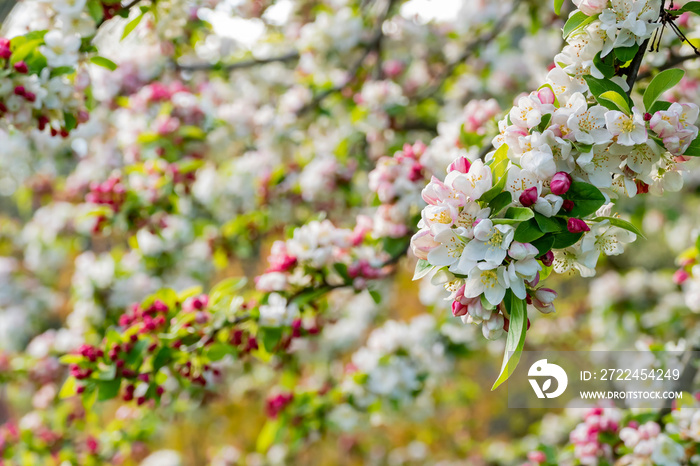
(485, 38)
(372, 45)
(290, 56)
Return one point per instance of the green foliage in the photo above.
(601, 86)
(618, 100)
(586, 197)
(575, 22)
(515, 341)
(660, 84)
(104, 63)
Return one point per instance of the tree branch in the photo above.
(485, 38)
(372, 45)
(290, 56)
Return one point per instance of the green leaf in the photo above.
(104, 63)
(107, 389)
(342, 270)
(605, 65)
(660, 84)
(527, 232)
(564, 240)
(270, 337)
(218, 351)
(575, 22)
(544, 123)
(161, 358)
(24, 50)
(515, 215)
(692, 7)
(131, 25)
(226, 287)
(71, 359)
(587, 199)
(618, 100)
(600, 86)
(515, 341)
(625, 54)
(499, 163)
(69, 388)
(395, 246)
(423, 268)
(500, 202)
(497, 189)
(658, 106)
(620, 223)
(268, 434)
(94, 8)
(376, 296)
(544, 244)
(550, 224)
(557, 6)
(70, 122)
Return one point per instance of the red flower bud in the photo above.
(528, 197)
(547, 259)
(576, 225)
(462, 165)
(560, 184)
(568, 205)
(21, 67)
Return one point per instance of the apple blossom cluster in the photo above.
(398, 181)
(321, 254)
(541, 201)
(395, 363)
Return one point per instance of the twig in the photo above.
(290, 56)
(372, 45)
(497, 29)
(671, 63)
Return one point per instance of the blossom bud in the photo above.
(647, 116)
(21, 67)
(537, 457)
(546, 95)
(521, 251)
(547, 259)
(458, 309)
(568, 205)
(560, 184)
(5, 51)
(576, 225)
(680, 276)
(462, 165)
(544, 299)
(422, 243)
(528, 197)
(493, 328)
(20, 90)
(591, 7)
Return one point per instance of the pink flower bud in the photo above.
(5, 51)
(21, 67)
(547, 259)
(544, 299)
(568, 205)
(462, 165)
(560, 184)
(680, 276)
(422, 243)
(537, 457)
(576, 225)
(528, 197)
(458, 309)
(546, 95)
